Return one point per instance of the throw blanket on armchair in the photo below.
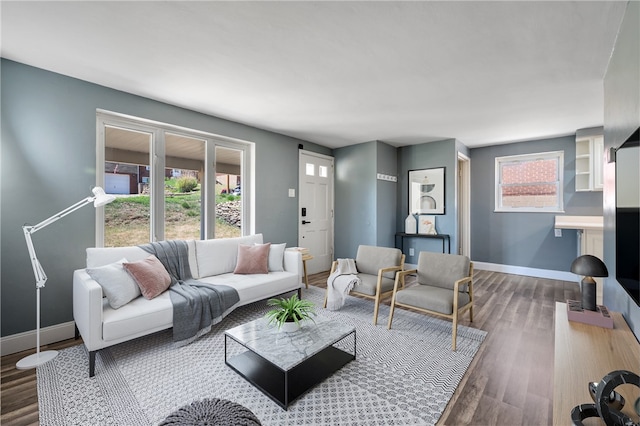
(340, 283)
(196, 305)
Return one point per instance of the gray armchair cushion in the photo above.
(431, 298)
(441, 270)
(369, 283)
(370, 259)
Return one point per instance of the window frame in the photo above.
(157, 163)
(500, 162)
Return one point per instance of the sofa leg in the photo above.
(77, 333)
(92, 363)
(300, 293)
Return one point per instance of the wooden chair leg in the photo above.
(376, 306)
(391, 308)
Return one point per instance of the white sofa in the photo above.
(211, 261)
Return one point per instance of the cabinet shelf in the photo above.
(589, 157)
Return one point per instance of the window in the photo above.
(530, 182)
(170, 182)
(311, 169)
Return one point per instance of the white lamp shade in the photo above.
(101, 198)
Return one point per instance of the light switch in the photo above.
(292, 192)
(557, 232)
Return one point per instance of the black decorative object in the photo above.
(211, 412)
(589, 266)
(607, 402)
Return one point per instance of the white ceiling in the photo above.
(340, 73)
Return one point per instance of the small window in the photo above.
(322, 171)
(311, 169)
(530, 182)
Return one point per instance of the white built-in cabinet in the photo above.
(589, 160)
(590, 240)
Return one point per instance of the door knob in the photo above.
(304, 222)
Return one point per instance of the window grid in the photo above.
(530, 182)
(311, 169)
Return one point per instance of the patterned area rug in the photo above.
(401, 376)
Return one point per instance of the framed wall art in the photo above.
(426, 191)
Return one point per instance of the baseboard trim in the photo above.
(529, 272)
(27, 340)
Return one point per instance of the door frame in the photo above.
(331, 206)
(464, 205)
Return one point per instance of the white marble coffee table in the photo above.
(286, 365)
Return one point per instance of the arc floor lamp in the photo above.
(98, 199)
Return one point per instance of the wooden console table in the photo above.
(443, 237)
(586, 353)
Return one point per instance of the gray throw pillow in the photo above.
(117, 285)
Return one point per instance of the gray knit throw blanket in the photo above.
(196, 305)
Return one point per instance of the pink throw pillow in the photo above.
(150, 275)
(253, 259)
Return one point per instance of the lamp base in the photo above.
(589, 294)
(35, 360)
(601, 317)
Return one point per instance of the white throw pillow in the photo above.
(276, 257)
(118, 286)
(220, 255)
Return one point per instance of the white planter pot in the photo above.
(289, 327)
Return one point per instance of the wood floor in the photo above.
(510, 381)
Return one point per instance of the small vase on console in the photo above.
(410, 224)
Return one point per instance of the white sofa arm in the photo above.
(293, 262)
(87, 309)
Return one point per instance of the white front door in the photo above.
(315, 209)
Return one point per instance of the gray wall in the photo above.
(427, 156)
(386, 195)
(49, 162)
(621, 119)
(355, 188)
(525, 239)
(365, 211)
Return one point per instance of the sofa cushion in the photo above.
(151, 276)
(441, 270)
(370, 259)
(252, 288)
(117, 285)
(431, 298)
(136, 317)
(369, 284)
(220, 255)
(276, 257)
(253, 259)
(100, 256)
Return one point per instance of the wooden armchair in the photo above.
(377, 267)
(445, 288)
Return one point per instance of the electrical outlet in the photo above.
(557, 232)
(410, 252)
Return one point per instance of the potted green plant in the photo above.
(288, 313)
